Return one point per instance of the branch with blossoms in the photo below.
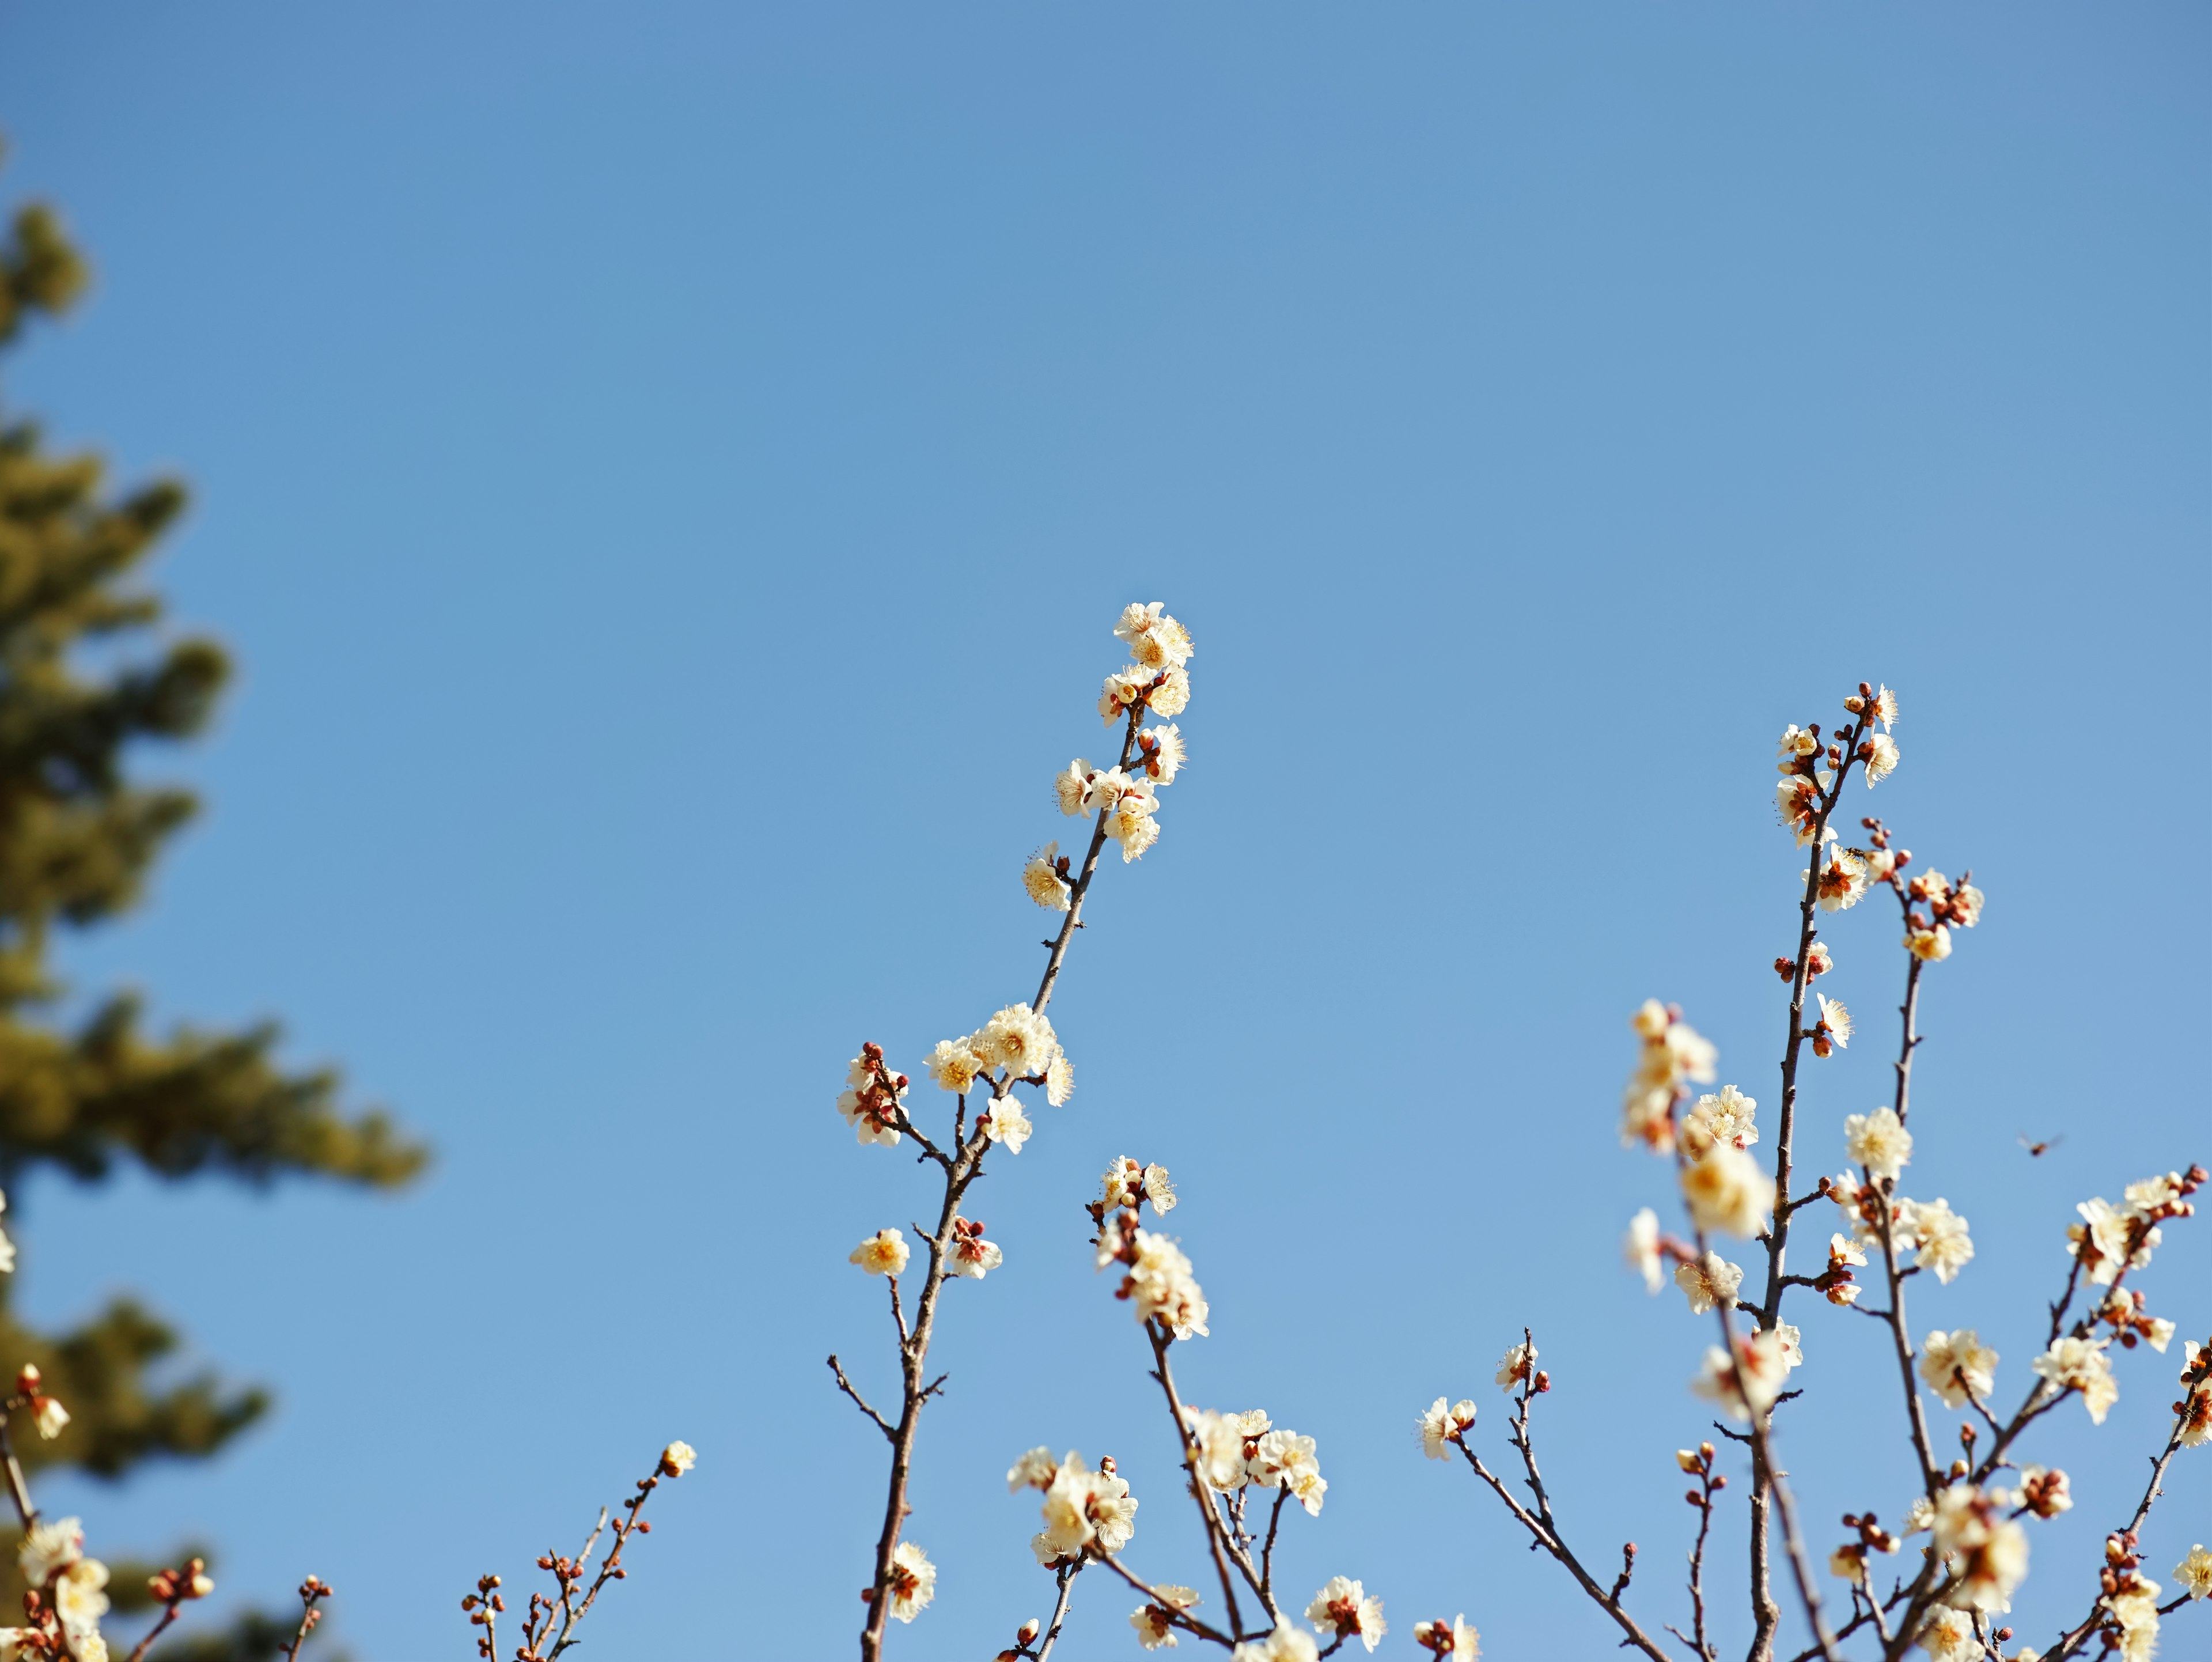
(1016, 1047)
(1976, 1554)
(551, 1620)
(67, 1590)
(1242, 1471)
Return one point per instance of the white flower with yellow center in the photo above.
(1164, 755)
(1516, 1365)
(1948, 1635)
(1072, 789)
(1060, 1080)
(1880, 754)
(1710, 1281)
(1930, 946)
(2194, 1573)
(1728, 1192)
(1842, 881)
(1958, 1366)
(1006, 1122)
(954, 1063)
(1042, 881)
(883, 1253)
(1878, 1142)
(1019, 1040)
(49, 1548)
(1937, 1236)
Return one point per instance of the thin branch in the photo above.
(860, 1402)
(1065, 1578)
(1180, 1617)
(1214, 1532)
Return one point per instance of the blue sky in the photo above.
(669, 473)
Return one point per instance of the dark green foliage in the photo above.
(88, 677)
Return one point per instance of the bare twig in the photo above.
(859, 1401)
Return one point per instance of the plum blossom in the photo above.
(1453, 1638)
(1640, 1248)
(1958, 1366)
(1441, 1427)
(2081, 1365)
(1343, 1609)
(1710, 1281)
(883, 1253)
(1285, 1644)
(1761, 1367)
(1878, 1142)
(1041, 880)
(912, 1582)
(1728, 1191)
(1516, 1365)
(1155, 1624)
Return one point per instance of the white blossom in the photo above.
(1342, 1609)
(1071, 789)
(1018, 1039)
(912, 1582)
(1945, 1357)
(1728, 1191)
(1041, 881)
(1759, 1363)
(954, 1063)
(1880, 758)
(1285, 1644)
(1035, 1470)
(1084, 1508)
(883, 1253)
(2194, 1572)
(1710, 1281)
(1515, 1365)
(1456, 1639)
(1936, 1234)
(1640, 1248)
(1948, 1635)
(1161, 1286)
(1441, 1424)
(1878, 1142)
(2081, 1365)
(1154, 1629)
(1006, 1122)
(1725, 1115)
(51, 1548)
(1060, 1080)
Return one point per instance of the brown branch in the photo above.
(312, 1591)
(1160, 1341)
(1541, 1536)
(859, 1401)
(1765, 1612)
(959, 1171)
(1177, 1616)
(1064, 1580)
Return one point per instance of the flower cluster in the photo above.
(1231, 1452)
(1850, 1559)
(1674, 1054)
(1085, 1511)
(68, 1594)
(1983, 1551)
(873, 1101)
(1936, 1236)
(1157, 1278)
(2110, 1240)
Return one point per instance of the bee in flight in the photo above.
(2037, 1150)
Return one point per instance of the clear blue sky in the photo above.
(669, 472)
